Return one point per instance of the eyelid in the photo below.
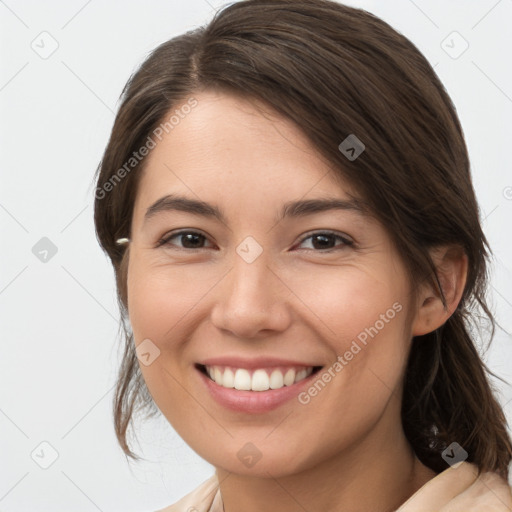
(346, 239)
(165, 239)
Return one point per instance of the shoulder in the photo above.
(201, 499)
(489, 492)
(461, 488)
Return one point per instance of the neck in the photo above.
(379, 474)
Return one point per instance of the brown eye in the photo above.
(326, 240)
(185, 240)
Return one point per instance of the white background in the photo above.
(59, 319)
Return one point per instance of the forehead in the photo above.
(229, 145)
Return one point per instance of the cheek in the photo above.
(344, 302)
(160, 297)
(362, 317)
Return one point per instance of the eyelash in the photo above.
(346, 241)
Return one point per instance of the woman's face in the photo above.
(261, 281)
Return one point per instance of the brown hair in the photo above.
(335, 70)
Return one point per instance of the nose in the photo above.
(251, 301)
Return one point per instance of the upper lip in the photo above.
(255, 362)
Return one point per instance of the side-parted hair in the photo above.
(334, 71)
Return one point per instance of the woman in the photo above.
(287, 204)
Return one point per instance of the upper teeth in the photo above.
(260, 380)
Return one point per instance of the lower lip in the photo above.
(255, 402)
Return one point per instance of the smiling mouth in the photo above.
(258, 379)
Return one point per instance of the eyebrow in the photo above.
(311, 206)
(292, 209)
(184, 204)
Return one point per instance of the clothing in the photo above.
(457, 489)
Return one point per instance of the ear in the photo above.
(451, 264)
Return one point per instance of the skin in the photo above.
(294, 301)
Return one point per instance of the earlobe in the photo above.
(451, 264)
